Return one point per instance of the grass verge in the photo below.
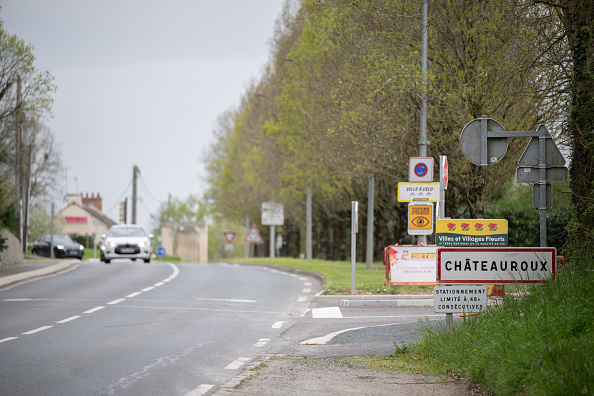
(337, 275)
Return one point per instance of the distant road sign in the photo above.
(273, 213)
(474, 137)
(420, 218)
(495, 265)
(409, 192)
(160, 251)
(420, 169)
(532, 175)
(253, 236)
(229, 236)
(531, 154)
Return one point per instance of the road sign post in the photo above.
(273, 214)
(484, 142)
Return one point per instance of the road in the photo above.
(131, 328)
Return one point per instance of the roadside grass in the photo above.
(337, 275)
(539, 344)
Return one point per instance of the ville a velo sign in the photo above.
(495, 265)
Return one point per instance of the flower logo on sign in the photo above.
(451, 227)
(465, 226)
(478, 226)
(492, 227)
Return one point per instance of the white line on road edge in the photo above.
(8, 339)
(148, 288)
(302, 298)
(279, 324)
(308, 290)
(201, 390)
(261, 342)
(327, 338)
(94, 310)
(119, 300)
(326, 313)
(69, 319)
(226, 300)
(38, 330)
(158, 284)
(237, 363)
(133, 294)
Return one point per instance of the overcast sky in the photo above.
(142, 82)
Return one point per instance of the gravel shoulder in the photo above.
(297, 376)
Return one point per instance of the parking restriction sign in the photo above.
(420, 169)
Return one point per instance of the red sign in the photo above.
(75, 219)
(229, 236)
(253, 236)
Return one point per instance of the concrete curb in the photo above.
(27, 276)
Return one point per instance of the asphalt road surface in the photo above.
(131, 328)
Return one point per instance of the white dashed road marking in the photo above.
(133, 294)
(201, 390)
(302, 298)
(119, 300)
(148, 288)
(261, 342)
(237, 363)
(278, 325)
(93, 310)
(8, 339)
(38, 330)
(68, 319)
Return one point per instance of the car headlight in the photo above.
(142, 244)
(112, 244)
(81, 247)
(60, 247)
(102, 247)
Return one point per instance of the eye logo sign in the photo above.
(420, 218)
(420, 222)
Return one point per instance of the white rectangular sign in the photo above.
(495, 265)
(460, 298)
(273, 213)
(412, 265)
(409, 192)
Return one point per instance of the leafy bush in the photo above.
(523, 220)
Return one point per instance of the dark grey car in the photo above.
(63, 246)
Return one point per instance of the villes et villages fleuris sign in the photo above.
(471, 232)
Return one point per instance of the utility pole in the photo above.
(370, 204)
(308, 224)
(423, 135)
(135, 171)
(18, 165)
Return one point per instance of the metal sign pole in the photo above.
(543, 189)
(354, 230)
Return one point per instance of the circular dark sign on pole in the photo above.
(477, 147)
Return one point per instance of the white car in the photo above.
(126, 241)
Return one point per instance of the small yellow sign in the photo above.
(420, 218)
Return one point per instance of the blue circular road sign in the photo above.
(160, 251)
(421, 169)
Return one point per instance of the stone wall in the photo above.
(13, 254)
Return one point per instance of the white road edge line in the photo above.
(68, 319)
(133, 294)
(119, 300)
(200, 390)
(159, 284)
(8, 339)
(237, 363)
(38, 330)
(261, 342)
(326, 313)
(279, 324)
(302, 298)
(306, 290)
(93, 310)
(148, 288)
